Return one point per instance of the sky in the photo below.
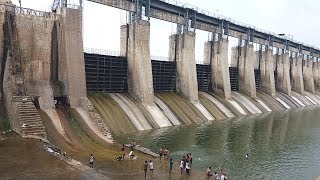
(101, 24)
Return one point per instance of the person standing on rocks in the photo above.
(91, 160)
(145, 168)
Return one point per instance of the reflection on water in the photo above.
(281, 145)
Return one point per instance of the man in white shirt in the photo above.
(151, 167)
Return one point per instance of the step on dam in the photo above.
(83, 100)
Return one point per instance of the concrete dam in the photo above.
(44, 65)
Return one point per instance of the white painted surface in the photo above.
(157, 115)
(137, 124)
(219, 105)
(310, 100)
(253, 109)
(203, 110)
(167, 111)
(283, 103)
(264, 105)
(298, 101)
(237, 106)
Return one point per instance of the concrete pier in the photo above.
(124, 40)
(247, 83)
(267, 82)
(308, 76)
(173, 42)
(296, 75)
(283, 79)
(216, 54)
(316, 75)
(71, 67)
(186, 65)
(140, 82)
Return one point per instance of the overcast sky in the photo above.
(292, 17)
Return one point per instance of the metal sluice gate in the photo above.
(164, 75)
(234, 78)
(204, 77)
(257, 78)
(106, 73)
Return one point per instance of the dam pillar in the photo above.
(216, 54)
(283, 71)
(308, 75)
(247, 82)
(140, 82)
(296, 75)
(186, 65)
(72, 58)
(2, 64)
(267, 83)
(316, 74)
(173, 42)
(124, 40)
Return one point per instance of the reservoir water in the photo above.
(281, 145)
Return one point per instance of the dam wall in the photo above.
(35, 46)
(145, 93)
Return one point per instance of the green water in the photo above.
(281, 145)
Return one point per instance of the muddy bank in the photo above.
(26, 159)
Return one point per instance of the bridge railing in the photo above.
(161, 58)
(222, 17)
(101, 51)
(117, 53)
(27, 11)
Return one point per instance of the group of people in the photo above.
(164, 152)
(131, 155)
(148, 166)
(216, 176)
(186, 163)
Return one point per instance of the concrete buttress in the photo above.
(140, 82)
(186, 66)
(316, 75)
(296, 75)
(216, 54)
(247, 83)
(71, 66)
(267, 83)
(283, 68)
(182, 49)
(308, 76)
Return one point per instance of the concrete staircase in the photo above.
(29, 118)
